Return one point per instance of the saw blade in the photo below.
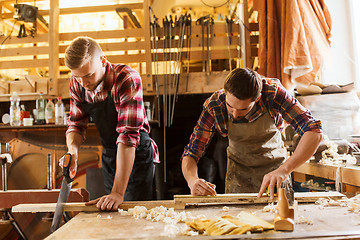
(63, 197)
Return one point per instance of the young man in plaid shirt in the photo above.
(250, 111)
(111, 94)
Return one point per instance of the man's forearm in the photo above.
(189, 169)
(73, 142)
(125, 158)
(306, 148)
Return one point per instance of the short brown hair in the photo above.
(79, 52)
(243, 83)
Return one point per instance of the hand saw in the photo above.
(68, 178)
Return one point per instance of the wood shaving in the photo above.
(269, 208)
(330, 156)
(304, 220)
(103, 217)
(158, 214)
(353, 204)
(225, 208)
(171, 230)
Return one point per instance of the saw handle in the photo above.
(69, 175)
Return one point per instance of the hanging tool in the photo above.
(170, 82)
(165, 27)
(183, 22)
(188, 38)
(209, 33)
(238, 65)
(49, 171)
(201, 21)
(68, 178)
(229, 23)
(153, 28)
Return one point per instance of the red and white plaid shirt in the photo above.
(125, 86)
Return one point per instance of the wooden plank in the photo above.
(24, 63)
(36, 39)
(318, 170)
(251, 198)
(133, 58)
(248, 61)
(147, 80)
(108, 34)
(11, 198)
(351, 175)
(126, 33)
(79, 10)
(107, 47)
(54, 47)
(80, 207)
(50, 207)
(24, 51)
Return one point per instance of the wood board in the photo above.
(251, 198)
(11, 198)
(80, 207)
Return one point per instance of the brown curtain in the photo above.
(294, 39)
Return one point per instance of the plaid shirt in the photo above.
(126, 92)
(274, 99)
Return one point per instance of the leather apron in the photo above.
(255, 149)
(105, 116)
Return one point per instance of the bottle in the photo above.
(15, 110)
(59, 111)
(50, 112)
(148, 110)
(40, 109)
(23, 114)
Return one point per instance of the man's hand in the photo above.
(200, 187)
(73, 164)
(109, 202)
(271, 179)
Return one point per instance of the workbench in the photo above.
(348, 176)
(329, 221)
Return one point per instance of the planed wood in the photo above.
(80, 207)
(50, 207)
(251, 198)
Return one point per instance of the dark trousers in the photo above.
(140, 186)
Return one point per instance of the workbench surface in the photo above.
(327, 222)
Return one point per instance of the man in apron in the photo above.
(250, 111)
(112, 96)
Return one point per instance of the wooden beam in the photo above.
(106, 47)
(147, 81)
(80, 207)
(134, 33)
(24, 64)
(248, 61)
(11, 198)
(79, 10)
(251, 198)
(54, 47)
